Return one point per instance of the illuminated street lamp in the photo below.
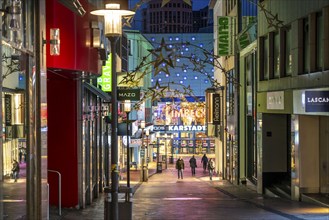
(113, 30)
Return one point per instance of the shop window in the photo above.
(287, 51)
(319, 41)
(306, 46)
(264, 58)
(276, 55)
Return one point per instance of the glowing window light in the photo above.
(195, 77)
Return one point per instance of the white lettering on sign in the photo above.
(318, 99)
(186, 128)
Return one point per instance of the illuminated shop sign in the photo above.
(183, 113)
(105, 81)
(8, 114)
(216, 109)
(178, 128)
(225, 35)
(317, 101)
(128, 94)
(186, 128)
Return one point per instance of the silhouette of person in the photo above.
(193, 165)
(15, 170)
(204, 161)
(211, 168)
(180, 167)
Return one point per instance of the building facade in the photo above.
(292, 97)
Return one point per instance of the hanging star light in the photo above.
(163, 55)
(127, 20)
(157, 90)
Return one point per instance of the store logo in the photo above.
(317, 101)
(128, 94)
(216, 109)
(8, 115)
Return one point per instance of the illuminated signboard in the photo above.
(105, 81)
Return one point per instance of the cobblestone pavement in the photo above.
(166, 197)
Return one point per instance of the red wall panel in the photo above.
(62, 138)
(75, 51)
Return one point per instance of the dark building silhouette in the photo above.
(175, 17)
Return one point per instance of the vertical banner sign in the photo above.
(216, 109)
(105, 81)
(225, 35)
(8, 110)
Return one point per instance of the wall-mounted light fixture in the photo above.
(15, 11)
(54, 42)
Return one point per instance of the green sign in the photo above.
(225, 35)
(105, 81)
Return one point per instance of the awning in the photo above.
(97, 91)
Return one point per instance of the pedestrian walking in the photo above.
(204, 161)
(180, 167)
(193, 165)
(15, 170)
(211, 168)
(20, 154)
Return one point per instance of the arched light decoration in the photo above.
(112, 18)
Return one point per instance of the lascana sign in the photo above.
(105, 81)
(317, 101)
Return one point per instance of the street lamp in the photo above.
(147, 133)
(127, 109)
(158, 154)
(144, 171)
(143, 127)
(113, 30)
(165, 136)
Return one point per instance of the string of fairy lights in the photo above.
(163, 58)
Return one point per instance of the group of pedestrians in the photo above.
(207, 165)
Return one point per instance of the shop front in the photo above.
(310, 143)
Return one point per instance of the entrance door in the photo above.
(324, 154)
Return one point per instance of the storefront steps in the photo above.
(281, 191)
(316, 198)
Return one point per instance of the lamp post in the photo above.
(143, 148)
(113, 30)
(165, 136)
(147, 133)
(127, 109)
(144, 171)
(158, 154)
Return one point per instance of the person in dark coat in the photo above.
(180, 167)
(211, 168)
(193, 165)
(204, 161)
(15, 170)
